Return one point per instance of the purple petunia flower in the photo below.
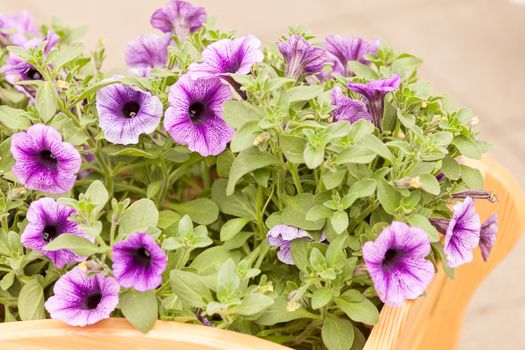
(349, 48)
(281, 236)
(396, 262)
(347, 108)
(81, 300)
(374, 93)
(462, 234)
(195, 117)
(228, 56)
(16, 69)
(138, 262)
(179, 17)
(18, 26)
(487, 237)
(147, 51)
(42, 161)
(301, 57)
(47, 220)
(125, 112)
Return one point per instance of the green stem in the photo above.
(292, 168)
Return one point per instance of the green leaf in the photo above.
(356, 154)
(190, 288)
(228, 282)
(154, 188)
(299, 250)
(422, 222)
(430, 184)
(277, 313)
(140, 309)
(135, 152)
(388, 196)
(13, 118)
(337, 333)
(364, 311)
(467, 146)
(332, 179)
(294, 213)
(238, 204)
(244, 136)
(313, 157)
(98, 194)
(472, 177)
(203, 211)
(78, 244)
(246, 162)
(376, 145)
(46, 101)
(236, 113)
(139, 216)
(167, 218)
(339, 221)
(451, 168)
(232, 227)
(31, 301)
(212, 258)
(293, 148)
(304, 93)
(360, 189)
(253, 303)
(7, 280)
(321, 297)
(67, 54)
(363, 70)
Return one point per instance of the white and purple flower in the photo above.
(281, 236)
(195, 117)
(348, 48)
(81, 300)
(228, 56)
(487, 237)
(180, 18)
(301, 57)
(397, 264)
(47, 220)
(42, 161)
(347, 108)
(147, 51)
(138, 262)
(126, 112)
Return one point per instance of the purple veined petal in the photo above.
(195, 117)
(347, 108)
(301, 57)
(21, 26)
(228, 56)
(488, 232)
(148, 51)
(138, 262)
(180, 18)
(81, 300)
(48, 219)
(397, 265)
(42, 161)
(281, 236)
(463, 233)
(126, 112)
(349, 48)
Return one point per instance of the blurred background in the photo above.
(473, 50)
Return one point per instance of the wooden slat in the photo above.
(431, 322)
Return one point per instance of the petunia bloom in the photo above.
(138, 262)
(47, 220)
(462, 232)
(19, 26)
(126, 112)
(347, 108)
(396, 263)
(301, 57)
(195, 117)
(42, 161)
(81, 300)
(349, 48)
(228, 56)
(281, 236)
(374, 94)
(179, 17)
(148, 51)
(487, 238)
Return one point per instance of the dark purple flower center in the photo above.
(92, 300)
(50, 233)
(142, 256)
(197, 111)
(391, 257)
(47, 159)
(33, 74)
(130, 109)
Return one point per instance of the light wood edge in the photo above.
(406, 326)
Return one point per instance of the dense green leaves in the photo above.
(31, 301)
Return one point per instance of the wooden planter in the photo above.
(430, 322)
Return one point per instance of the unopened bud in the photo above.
(262, 138)
(424, 104)
(267, 288)
(292, 306)
(474, 121)
(62, 85)
(409, 182)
